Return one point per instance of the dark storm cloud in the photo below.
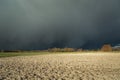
(39, 24)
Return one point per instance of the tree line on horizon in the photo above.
(105, 48)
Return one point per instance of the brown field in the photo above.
(84, 66)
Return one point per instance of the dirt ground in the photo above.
(86, 66)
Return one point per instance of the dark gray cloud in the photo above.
(39, 24)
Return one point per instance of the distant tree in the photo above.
(68, 50)
(54, 50)
(79, 50)
(106, 47)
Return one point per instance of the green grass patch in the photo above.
(30, 53)
(13, 54)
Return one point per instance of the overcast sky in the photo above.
(42, 24)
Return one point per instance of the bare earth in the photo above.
(85, 66)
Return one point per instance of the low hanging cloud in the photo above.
(40, 24)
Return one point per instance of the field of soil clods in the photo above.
(86, 66)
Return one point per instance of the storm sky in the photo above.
(42, 24)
